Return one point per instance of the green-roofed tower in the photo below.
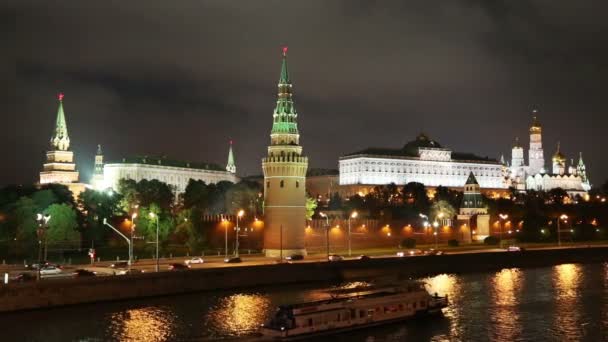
(284, 177)
(59, 166)
(472, 194)
(230, 166)
(60, 139)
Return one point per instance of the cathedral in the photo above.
(572, 178)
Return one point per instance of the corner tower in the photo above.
(59, 166)
(535, 154)
(284, 177)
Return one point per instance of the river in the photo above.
(567, 302)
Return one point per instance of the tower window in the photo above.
(282, 183)
(267, 184)
(297, 184)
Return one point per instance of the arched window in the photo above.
(297, 184)
(282, 183)
(267, 184)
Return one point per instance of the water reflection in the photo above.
(448, 285)
(239, 314)
(566, 281)
(142, 324)
(505, 293)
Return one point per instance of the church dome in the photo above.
(422, 140)
(558, 156)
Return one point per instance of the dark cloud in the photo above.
(181, 78)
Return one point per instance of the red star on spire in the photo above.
(284, 50)
(60, 96)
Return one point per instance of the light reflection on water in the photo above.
(143, 324)
(566, 302)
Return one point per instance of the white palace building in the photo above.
(423, 161)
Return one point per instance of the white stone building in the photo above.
(422, 160)
(175, 173)
(534, 176)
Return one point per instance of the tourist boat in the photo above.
(355, 310)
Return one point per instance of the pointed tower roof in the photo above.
(502, 159)
(284, 79)
(536, 127)
(230, 166)
(580, 159)
(471, 179)
(516, 144)
(60, 139)
(285, 114)
(99, 152)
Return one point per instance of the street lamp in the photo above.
(238, 215)
(503, 217)
(435, 225)
(322, 214)
(43, 221)
(565, 218)
(353, 215)
(133, 216)
(152, 216)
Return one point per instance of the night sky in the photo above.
(181, 78)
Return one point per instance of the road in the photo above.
(148, 265)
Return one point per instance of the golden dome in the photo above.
(536, 127)
(558, 156)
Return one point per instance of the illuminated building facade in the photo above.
(175, 173)
(284, 177)
(423, 161)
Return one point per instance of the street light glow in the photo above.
(241, 213)
(354, 214)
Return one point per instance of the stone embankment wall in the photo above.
(77, 291)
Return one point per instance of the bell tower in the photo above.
(536, 155)
(284, 177)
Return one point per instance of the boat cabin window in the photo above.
(370, 313)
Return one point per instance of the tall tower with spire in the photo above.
(284, 177)
(97, 181)
(59, 166)
(581, 172)
(535, 154)
(230, 166)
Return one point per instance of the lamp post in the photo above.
(41, 232)
(152, 216)
(236, 244)
(565, 218)
(435, 225)
(502, 217)
(353, 215)
(129, 242)
(326, 231)
(133, 216)
(225, 222)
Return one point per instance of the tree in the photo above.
(335, 203)
(97, 206)
(415, 196)
(62, 225)
(442, 208)
(311, 205)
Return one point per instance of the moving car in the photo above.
(131, 271)
(409, 252)
(24, 277)
(83, 273)
(178, 267)
(120, 264)
(515, 249)
(50, 270)
(364, 257)
(295, 257)
(233, 260)
(195, 260)
(433, 251)
(335, 257)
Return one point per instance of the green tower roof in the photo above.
(285, 114)
(230, 166)
(60, 139)
(471, 179)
